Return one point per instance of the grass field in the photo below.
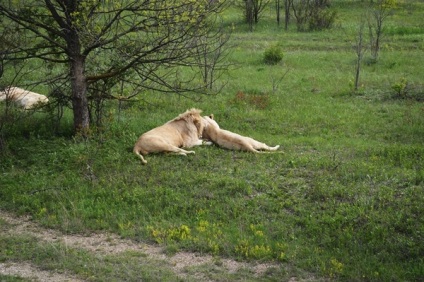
(342, 199)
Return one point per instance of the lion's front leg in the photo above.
(200, 142)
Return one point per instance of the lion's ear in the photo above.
(211, 116)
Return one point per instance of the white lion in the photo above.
(24, 98)
(183, 131)
(231, 140)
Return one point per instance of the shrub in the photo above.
(313, 15)
(400, 87)
(273, 55)
(322, 19)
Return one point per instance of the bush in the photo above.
(273, 55)
(402, 89)
(322, 19)
(313, 15)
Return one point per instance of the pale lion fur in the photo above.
(231, 140)
(24, 98)
(183, 131)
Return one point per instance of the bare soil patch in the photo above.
(103, 244)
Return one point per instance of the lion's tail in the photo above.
(136, 151)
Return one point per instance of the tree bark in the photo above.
(78, 84)
(287, 14)
(277, 8)
(79, 95)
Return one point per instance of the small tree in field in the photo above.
(359, 50)
(277, 10)
(287, 6)
(379, 11)
(91, 45)
(210, 58)
(252, 10)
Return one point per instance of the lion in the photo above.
(184, 131)
(231, 140)
(26, 99)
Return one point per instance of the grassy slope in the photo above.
(343, 199)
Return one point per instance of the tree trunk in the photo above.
(250, 14)
(359, 55)
(287, 14)
(79, 95)
(78, 82)
(277, 8)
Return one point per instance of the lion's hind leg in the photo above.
(275, 148)
(179, 151)
(264, 147)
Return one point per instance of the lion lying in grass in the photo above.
(183, 131)
(231, 140)
(26, 99)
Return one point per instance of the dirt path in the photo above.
(103, 244)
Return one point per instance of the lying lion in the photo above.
(231, 140)
(26, 99)
(183, 131)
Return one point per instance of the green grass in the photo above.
(343, 199)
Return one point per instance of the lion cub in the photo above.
(231, 140)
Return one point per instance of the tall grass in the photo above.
(342, 199)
